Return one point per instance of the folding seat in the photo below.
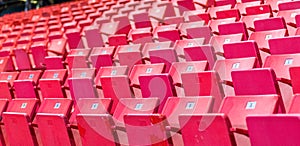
(272, 127)
(77, 58)
(160, 11)
(284, 45)
(107, 129)
(257, 82)
(185, 25)
(294, 73)
(22, 59)
(264, 24)
(93, 36)
(233, 28)
(6, 64)
(58, 46)
(18, 117)
(231, 121)
(212, 10)
(208, 3)
(200, 53)
(141, 35)
(51, 83)
(110, 71)
(141, 19)
(102, 56)
(288, 5)
(74, 38)
(82, 88)
(54, 62)
(199, 32)
(262, 37)
(90, 106)
(259, 9)
(242, 6)
(196, 15)
(214, 23)
(54, 111)
(230, 13)
(166, 33)
(25, 85)
(224, 68)
(205, 83)
(6, 84)
(289, 16)
(226, 2)
(249, 20)
(173, 20)
(165, 55)
(38, 52)
(169, 127)
(185, 6)
(153, 46)
(177, 68)
(116, 87)
(241, 50)
(124, 25)
(117, 39)
(218, 41)
(157, 85)
(180, 45)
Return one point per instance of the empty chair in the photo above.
(107, 129)
(249, 20)
(141, 35)
(229, 124)
(230, 13)
(102, 56)
(271, 126)
(294, 73)
(259, 9)
(294, 108)
(184, 26)
(214, 24)
(257, 82)
(6, 84)
(130, 55)
(93, 36)
(110, 71)
(166, 33)
(218, 41)
(242, 50)
(264, 24)
(181, 44)
(54, 110)
(233, 28)
(18, 117)
(199, 32)
(200, 53)
(77, 58)
(25, 86)
(116, 87)
(169, 127)
(166, 56)
(289, 5)
(196, 15)
(157, 85)
(284, 45)
(51, 83)
(203, 84)
(6, 64)
(153, 46)
(82, 88)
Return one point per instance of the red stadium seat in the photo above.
(233, 28)
(166, 56)
(200, 53)
(102, 56)
(284, 45)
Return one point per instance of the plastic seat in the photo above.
(153, 85)
(21, 58)
(203, 84)
(77, 58)
(181, 44)
(110, 71)
(257, 82)
(262, 24)
(233, 28)
(271, 127)
(130, 56)
(199, 32)
(144, 69)
(294, 72)
(6, 84)
(153, 46)
(259, 9)
(230, 13)
(218, 41)
(196, 15)
(18, 116)
(288, 5)
(116, 88)
(25, 86)
(141, 20)
(284, 45)
(214, 24)
(74, 38)
(93, 36)
(117, 39)
(102, 56)
(106, 128)
(51, 83)
(249, 49)
(52, 118)
(289, 16)
(166, 56)
(170, 126)
(249, 20)
(200, 53)
(184, 26)
(294, 108)
(141, 35)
